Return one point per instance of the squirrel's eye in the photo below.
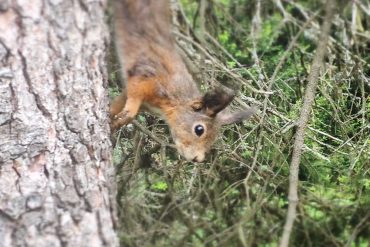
(199, 130)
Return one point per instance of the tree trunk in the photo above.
(56, 174)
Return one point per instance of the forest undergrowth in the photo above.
(239, 197)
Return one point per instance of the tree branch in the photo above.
(302, 122)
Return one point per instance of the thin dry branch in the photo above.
(302, 122)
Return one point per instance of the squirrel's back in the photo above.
(143, 35)
(144, 19)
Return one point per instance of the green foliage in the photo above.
(160, 186)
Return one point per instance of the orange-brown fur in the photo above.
(157, 78)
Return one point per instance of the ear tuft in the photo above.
(236, 117)
(216, 100)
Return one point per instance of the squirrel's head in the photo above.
(195, 126)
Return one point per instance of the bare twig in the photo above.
(151, 135)
(302, 122)
(362, 224)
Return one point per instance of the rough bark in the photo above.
(56, 177)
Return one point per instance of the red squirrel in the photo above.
(158, 80)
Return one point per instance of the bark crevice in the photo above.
(55, 155)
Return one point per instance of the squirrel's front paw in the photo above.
(120, 119)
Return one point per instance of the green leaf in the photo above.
(160, 185)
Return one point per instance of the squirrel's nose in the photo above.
(197, 159)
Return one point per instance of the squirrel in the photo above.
(158, 80)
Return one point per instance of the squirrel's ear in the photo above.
(197, 104)
(215, 101)
(236, 117)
